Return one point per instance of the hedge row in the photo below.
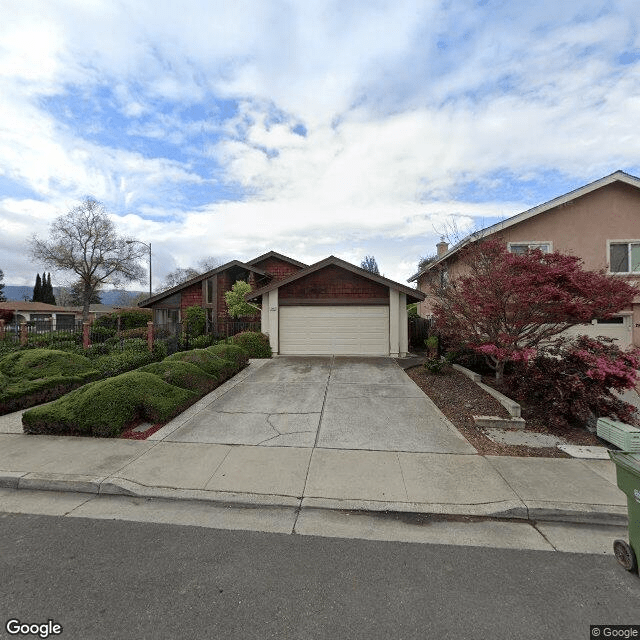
(32, 376)
(39, 375)
(155, 392)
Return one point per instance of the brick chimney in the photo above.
(442, 247)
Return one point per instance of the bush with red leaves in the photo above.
(574, 381)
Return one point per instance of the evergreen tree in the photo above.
(49, 298)
(37, 290)
(369, 264)
(76, 292)
(2, 296)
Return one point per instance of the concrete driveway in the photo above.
(325, 402)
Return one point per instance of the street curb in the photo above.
(505, 509)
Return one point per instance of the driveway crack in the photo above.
(404, 483)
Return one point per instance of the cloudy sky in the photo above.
(308, 127)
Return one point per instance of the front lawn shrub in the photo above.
(201, 342)
(129, 319)
(33, 376)
(182, 374)
(210, 363)
(122, 361)
(256, 344)
(136, 332)
(233, 352)
(31, 364)
(573, 381)
(100, 333)
(196, 321)
(105, 408)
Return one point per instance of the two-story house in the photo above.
(599, 222)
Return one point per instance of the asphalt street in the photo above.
(116, 579)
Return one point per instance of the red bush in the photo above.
(574, 381)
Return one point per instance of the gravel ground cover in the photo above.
(459, 398)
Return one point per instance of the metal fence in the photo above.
(224, 329)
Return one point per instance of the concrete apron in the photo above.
(338, 433)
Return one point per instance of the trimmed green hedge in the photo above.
(156, 392)
(33, 376)
(123, 361)
(212, 364)
(182, 374)
(256, 344)
(105, 408)
(231, 352)
(32, 364)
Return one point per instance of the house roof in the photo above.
(36, 307)
(202, 276)
(618, 176)
(414, 294)
(275, 254)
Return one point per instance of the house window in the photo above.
(613, 320)
(210, 294)
(444, 277)
(522, 247)
(624, 257)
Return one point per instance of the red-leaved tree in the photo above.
(507, 304)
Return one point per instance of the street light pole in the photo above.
(148, 247)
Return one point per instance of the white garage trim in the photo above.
(334, 330)
(621, 330)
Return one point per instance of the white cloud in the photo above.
(403, 103)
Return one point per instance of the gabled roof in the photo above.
(34, 307)
(275, 254)
(618, 176)
(202, 276)
(332, 260)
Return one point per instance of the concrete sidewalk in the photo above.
(529, 488)
(323, 474)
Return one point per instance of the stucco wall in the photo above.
(580, 227)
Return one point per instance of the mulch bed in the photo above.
(459, 398)
(130, 434)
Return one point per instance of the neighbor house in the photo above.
(599, 222)
(335, 308)
(45, 317)
(207, 290)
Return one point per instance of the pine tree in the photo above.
(2, 296)
(48, 296)
(369, 264)
(37, 290)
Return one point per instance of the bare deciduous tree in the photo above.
(182, 274)
(85, 242)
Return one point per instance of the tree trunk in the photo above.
(500, 370)
(86, 300)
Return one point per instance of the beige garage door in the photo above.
(340, 330)
(619, 328)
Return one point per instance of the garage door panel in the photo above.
(344, 330)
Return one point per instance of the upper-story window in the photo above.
(624, 257)
(210, 289)
(523, 247)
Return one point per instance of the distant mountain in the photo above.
(13, 292)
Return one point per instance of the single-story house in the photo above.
(335, 308)
(207, 290)
(45, 317)
(599, 222)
